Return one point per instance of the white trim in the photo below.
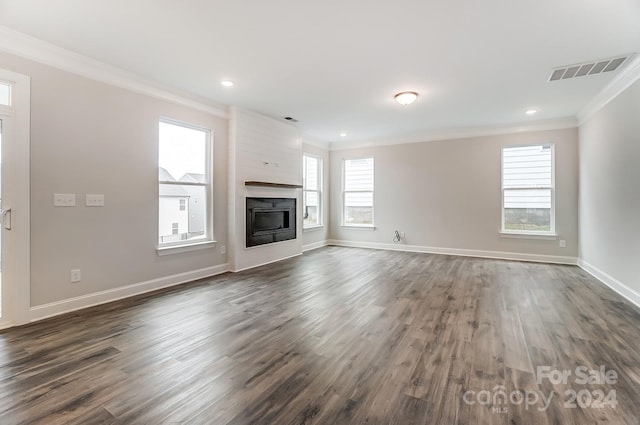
(524, 235)
(617, 286)
(265, 263)
(356, 227)
(314, 245)
(72, 304)
(517, 256)
(19, 295)
(463, 133)
(28, 47)
(312, 228)
(316, 143)
(178, 249)
(22, 105)
(208, 237)
(625, 78)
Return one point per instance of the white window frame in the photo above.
(532, 234)
(344, 194)
(208, 240)
(319, 191)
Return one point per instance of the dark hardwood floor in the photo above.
(337, 336)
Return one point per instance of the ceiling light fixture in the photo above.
(343, 134)
(531, 111)
(406, 97)
(227, 83)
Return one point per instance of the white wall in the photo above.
(318, 236)
(261, 149)
(610, 192)
(90, 137)
(446, 194)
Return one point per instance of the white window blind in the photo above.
(358, 192)
(311, 190)
(528, 188)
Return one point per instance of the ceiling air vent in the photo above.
(587, 68)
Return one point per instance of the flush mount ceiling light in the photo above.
(227, 83)
(406, 97)
(343, 134)
(531, 111)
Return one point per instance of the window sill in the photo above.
(529, 235)
(178, 249)
(312, 228)
(356, 227)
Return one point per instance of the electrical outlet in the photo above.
(75, 275)
(562, 243)
(64, 200)
(223, 249)
(401, 235)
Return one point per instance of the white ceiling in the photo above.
(335, 64)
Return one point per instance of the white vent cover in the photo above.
(587, 68)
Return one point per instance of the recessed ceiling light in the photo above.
(406, 97)
(227, 83)
(343, 134)
(531, 111)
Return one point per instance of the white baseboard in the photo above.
(611, 282)
(264, 264)
(315, 245)
(555, 259)
(65, 306)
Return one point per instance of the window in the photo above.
(358, 192)
(528, 189)
(311, 191)
(184, 159)
(5, 94)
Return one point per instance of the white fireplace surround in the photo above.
(265, 150)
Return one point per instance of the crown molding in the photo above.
(463, 133)
(316, 143)
(31, 48)
(625, 78)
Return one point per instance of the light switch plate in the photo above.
(64, 200)
(94, 200)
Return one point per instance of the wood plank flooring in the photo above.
(336, 336)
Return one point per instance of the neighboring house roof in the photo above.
(171, 190)
(193, 178)
(164, 175)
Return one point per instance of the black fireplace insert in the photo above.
(270, 220)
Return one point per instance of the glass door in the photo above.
(14, 199)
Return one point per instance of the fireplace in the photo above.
(270, 220)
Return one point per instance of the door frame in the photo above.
(17, 121)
